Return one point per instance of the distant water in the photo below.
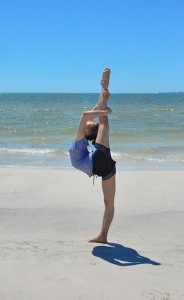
(146, 130)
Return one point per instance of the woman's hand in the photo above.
(109, 110)
(106, 93)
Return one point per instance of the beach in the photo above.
(47, 215)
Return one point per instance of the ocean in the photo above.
(146, 130)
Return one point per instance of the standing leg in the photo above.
(109, 189)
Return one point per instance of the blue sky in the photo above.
(63, 46)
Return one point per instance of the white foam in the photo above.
(26, 150)
(115, 154)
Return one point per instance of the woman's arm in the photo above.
(89, 116)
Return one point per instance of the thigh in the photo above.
(103, 134)
(109, 189)
(99, 162)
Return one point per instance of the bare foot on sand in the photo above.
(105, 78)
(98, 239)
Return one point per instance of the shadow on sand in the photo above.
(121, 256)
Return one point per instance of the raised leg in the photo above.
(103, 130)
(105, 78)
(102, 101)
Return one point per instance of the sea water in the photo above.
(146, 130)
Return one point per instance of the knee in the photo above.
(109, 203)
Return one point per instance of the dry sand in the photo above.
(47, 215)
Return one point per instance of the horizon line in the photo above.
(90, 92)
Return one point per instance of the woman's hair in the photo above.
(93, 133)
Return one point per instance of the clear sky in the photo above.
(63, 45)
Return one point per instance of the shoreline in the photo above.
(119, 168)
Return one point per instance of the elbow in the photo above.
(85, 116)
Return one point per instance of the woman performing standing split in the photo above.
(99, 161)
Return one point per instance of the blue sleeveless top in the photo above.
(80, 156)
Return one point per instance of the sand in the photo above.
(47, 215)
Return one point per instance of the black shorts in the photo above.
(103, 164)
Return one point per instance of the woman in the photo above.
(99, 161)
